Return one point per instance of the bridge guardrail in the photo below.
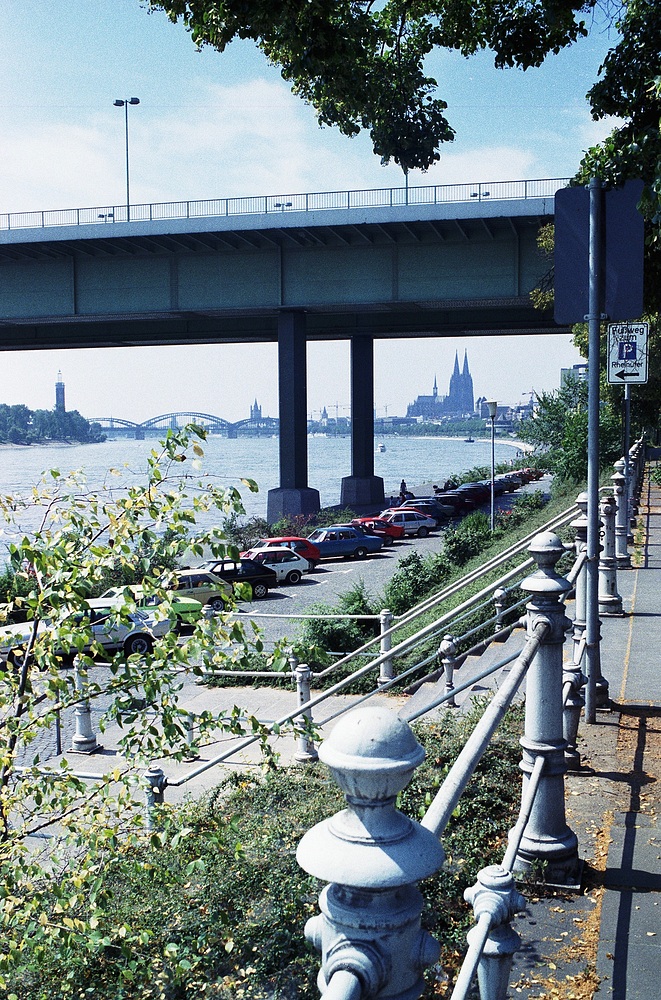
(316, 201)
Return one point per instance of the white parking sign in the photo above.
(627, 353)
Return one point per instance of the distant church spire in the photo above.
(435, 391)
(456, 364)
(465, 371)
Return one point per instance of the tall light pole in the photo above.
(493, 411)
(125, 104)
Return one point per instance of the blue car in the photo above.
(344, 540)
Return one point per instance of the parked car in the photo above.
(135, 634)
(303, 546)
(411, 521)
(289, 566)
(386, 530)
(429, 506)
(344, 540)
(463, 503)
(231, 571)
(186, 610)
(476, 491)
(204, 586)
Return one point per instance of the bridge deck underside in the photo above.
(410, 279)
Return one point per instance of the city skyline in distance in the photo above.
(392, 397)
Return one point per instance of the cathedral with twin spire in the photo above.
(459, 401)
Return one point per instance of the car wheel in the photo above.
(259, 590)
(360, 552)
(388, 540)
(138, 644)
(422, 532)
(293, 577)
(217, 604)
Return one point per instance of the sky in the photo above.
(211, 125)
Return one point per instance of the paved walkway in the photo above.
(629, 951)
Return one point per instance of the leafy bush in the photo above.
(342, 635)
(467, 539)
(215, 905)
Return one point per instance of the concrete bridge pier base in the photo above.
(283, 502)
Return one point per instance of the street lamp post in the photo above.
(493, 411)
(125, 104)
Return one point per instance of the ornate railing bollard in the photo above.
(580, 526)
(572, 673)
(499, 597)
(369, 930)
(306, 752)
(495, 896)
(610, 602)
(386, 669)
(447, 653)
(547, 843)
(579, 635)
(155, 785)
(84, 739)
(622, 557)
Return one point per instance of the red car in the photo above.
(377, 526)
(300, 545)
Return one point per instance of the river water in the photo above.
(417, 460)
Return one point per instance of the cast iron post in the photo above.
(372, 855)
(610, 602)
(386, 668)
(495, 895)
(547, 842)
(622, 557)
(84, 739)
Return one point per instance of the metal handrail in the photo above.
(279, 205)
(437, 816)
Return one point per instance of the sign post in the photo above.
(627, 353)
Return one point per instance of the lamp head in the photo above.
(493, 408)
(134, 100)
(118, 104)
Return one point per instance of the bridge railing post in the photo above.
(547, 842)
(372, 856)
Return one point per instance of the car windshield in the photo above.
(316, 536)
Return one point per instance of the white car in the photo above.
(411, 521)
(136, 634)
(289, 566)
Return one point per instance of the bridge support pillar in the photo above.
(362, 486)
(293, 497)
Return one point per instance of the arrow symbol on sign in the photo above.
(620, 374)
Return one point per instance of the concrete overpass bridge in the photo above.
(441, 261)
(174, 421)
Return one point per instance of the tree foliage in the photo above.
(361, 65)
(68, 540)
(20, 425)
(559, 431)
